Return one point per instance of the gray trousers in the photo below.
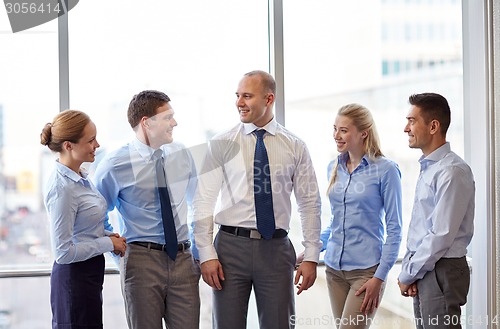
(265, 265)
(154, 288)
(441, 292)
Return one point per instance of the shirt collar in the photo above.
(365, 160)
(65, 171)
(145, 151)
(437, 154)
(270, 127)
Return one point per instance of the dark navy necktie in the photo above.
(167, 215)
(262, 188)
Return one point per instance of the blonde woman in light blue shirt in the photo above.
(363, 239)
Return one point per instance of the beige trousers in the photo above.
(342, 286)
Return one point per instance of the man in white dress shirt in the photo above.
(243, 256)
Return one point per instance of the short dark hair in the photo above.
(145, 104)
(433, 107)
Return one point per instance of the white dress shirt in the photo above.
(228, 173)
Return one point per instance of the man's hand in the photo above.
(212, 273)
(372, 289)
(408, 290)
(119, 244)
(306, 270)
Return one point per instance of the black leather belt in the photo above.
(151, 245)
(252, 234)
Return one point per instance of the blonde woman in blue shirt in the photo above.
(363, 239)
(76, 211)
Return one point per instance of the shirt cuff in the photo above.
(106, 244)
(381, 272)
(311, 254)
(207, 253)
(405, 279)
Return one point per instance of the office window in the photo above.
(354, 60)
(196, 52)
(385, 67)
(28, 99)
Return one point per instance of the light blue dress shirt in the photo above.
(76, 211)
(442, 220)
(365, 229)
(127, 180)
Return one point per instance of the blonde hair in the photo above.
(67, 126)
(363, 121)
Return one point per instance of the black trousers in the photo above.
(76, 294)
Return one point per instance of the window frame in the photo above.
(478, 39)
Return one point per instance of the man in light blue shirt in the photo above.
(155, 285)
(434, 269)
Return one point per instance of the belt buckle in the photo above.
(185, 245)
(254, 234)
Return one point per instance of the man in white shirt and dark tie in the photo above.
(255, 166)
